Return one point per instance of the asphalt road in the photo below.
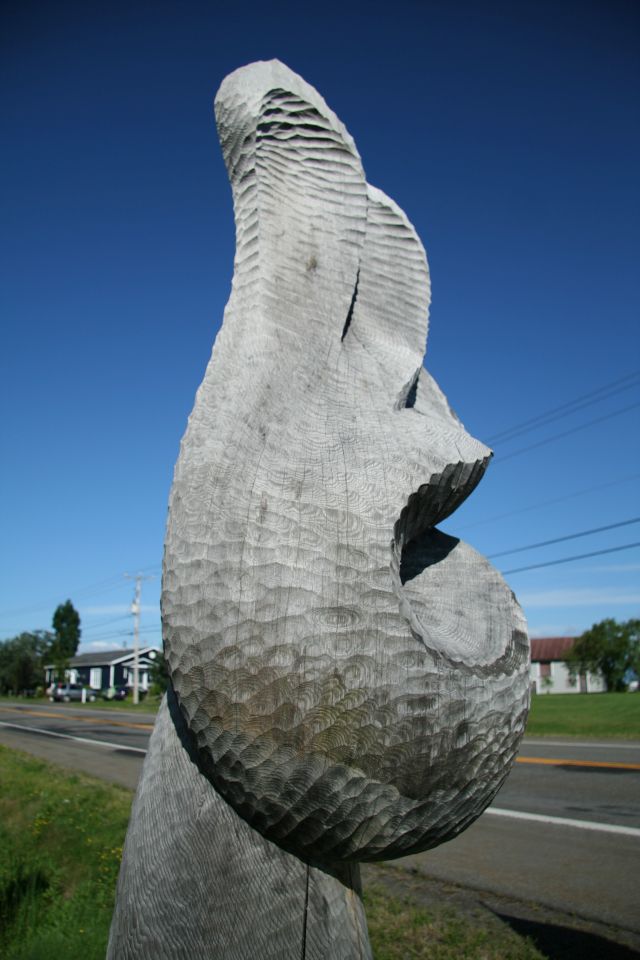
(564, 831)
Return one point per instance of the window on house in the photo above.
(545, 669)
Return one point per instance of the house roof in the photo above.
(551, 648)
(105, 658)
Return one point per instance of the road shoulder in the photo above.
(557, 934)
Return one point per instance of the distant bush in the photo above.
(609, 649)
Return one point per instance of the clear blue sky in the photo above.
(509, 132)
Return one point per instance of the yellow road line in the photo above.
(555, 762)
(547, 761)
(76, 716)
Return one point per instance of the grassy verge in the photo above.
(61, 838)
(400, 929)
(148, 705)
(615, 715)
(606, 715)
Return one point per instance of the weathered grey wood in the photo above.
(349, 712)
(354, 681)
(198, 882)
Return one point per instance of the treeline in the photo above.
(611, 650)
(23, 658)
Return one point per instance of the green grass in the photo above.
(400, 929)
(61, 839)
(606, 715)
(615, 715)
(148, 705)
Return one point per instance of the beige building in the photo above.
(549, 670)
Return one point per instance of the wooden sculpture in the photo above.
(348, 682)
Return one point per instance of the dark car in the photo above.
(116, 693)
(66, 692)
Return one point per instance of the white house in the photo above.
(549, 670)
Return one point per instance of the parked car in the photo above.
(66, 692)
(121, 693)
(115, 693)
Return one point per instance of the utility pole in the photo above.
(135, 610)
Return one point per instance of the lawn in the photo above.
(148, 705)
(61, 839)
(402, 929)
(607, 715)
(594, 715)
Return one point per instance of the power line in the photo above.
(98, 624)
(566, 409)
(101, 585)
(94, 589)
(569, 536)
(549, 503)
(580, 556)
(566, 433)
(109, 635)
(104, 623)
(120, 634)
(106, 636)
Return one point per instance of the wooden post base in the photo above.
(198, 882)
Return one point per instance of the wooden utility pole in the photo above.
(135, 610)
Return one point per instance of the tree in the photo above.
(159, 674)
(22, 660)
(610, 649)
(66, 625)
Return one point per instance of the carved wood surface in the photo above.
(356, 680)
(348, 682)
(198, 882)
